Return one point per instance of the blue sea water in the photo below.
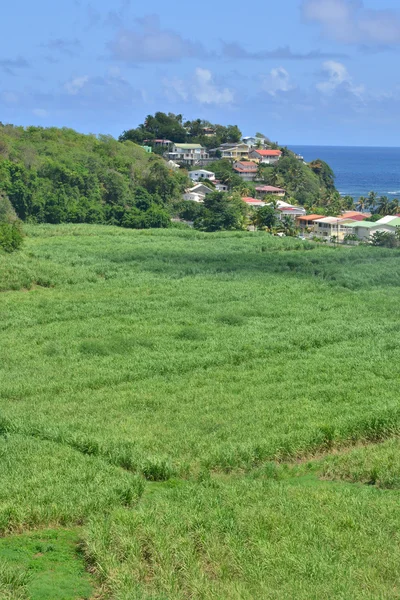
(359, 170)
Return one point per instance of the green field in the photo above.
(207, 415)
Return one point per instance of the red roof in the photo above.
(269, 188)
(247, 163)
(310, 218)
(269, 152)
(250, 200)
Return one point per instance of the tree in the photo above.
(266, 217)
(362, 203)
(221, 212)
(324, 172)
(394, 207)
(383, 206)
(385, 239)
(372, 198)
(287, 226)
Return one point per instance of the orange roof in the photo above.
(310, 217)
(247, 163)
(269, 152)
(355, 213)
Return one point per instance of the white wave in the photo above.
(393, 193)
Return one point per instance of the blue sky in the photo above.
(300, 71)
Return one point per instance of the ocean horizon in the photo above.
(359, 169)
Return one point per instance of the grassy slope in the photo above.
(173, 353)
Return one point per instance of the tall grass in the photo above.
(172, 355)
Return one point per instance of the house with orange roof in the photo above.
(307, 221)
(247, 170)
(265, 157)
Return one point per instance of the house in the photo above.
(265, 157)
(173, 165)
(334, 227)
(159, 142)
(197, 193)
(247, 170)
(219, 186)
(208, 131)
(365, 229)
(264, 190)
(253, 202)
(201, 174)
(307, 221)
(255, 142)
(291, 211)
(190, 154)
(148, 149)
(386, 220)
(234, 151)
(355, 214)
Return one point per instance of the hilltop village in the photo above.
(247, 164)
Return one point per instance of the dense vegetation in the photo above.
(203, 411)
(58, 175)
(173, 128)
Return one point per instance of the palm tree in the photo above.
(287, 226)
(394, 207)
(383, 205)
(372, 198)
(362, 203)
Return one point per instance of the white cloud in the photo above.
(40, 112)
(74, 86)
(277, 81)
(350, 22)
(201, 87)
(9, 97)
(149, 43)
(207, 92)
(338, 76)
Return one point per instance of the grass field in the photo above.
(211, 415)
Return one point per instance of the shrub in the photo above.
(11, 236)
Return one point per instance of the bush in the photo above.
(11, 236)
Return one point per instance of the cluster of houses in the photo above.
(250, 149)
(350, 223)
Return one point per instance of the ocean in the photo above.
(359, 170)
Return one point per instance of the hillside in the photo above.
(202, 415)
(58, 175)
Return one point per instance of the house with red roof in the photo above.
(253, 202)
(247, 170)
(266, 190)
(265, 157)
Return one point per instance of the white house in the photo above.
(219, 186)
(189, 154)
(255, 142)
(197, 193)
(201, 174)
(266, 157)
(253, 202)
(291, 211)
(365, 229)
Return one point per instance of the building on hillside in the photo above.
(266, 190)
(365, 229)
(291, 211)
(253, 202)
(208, 131)
(255, 142)
(201, 174)
(387, 219)
(189, 154)
(173, 165)
(308, 221)
(148, 149)
(219, 186)
(265, 157)
(197, 193)
(159, 143)
(247, 170)
(334, 227)
(355, 214)
(235, 152)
